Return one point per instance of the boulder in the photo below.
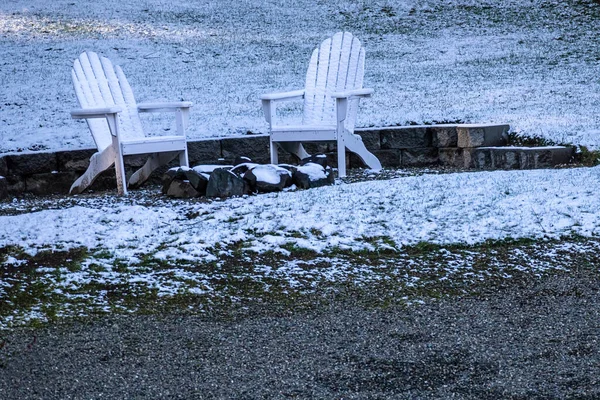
(170, 175)
(241, 169)
(198, 180)
(289, 167)
(224, 183)
(209, 168)
(182, 189)
(313, 175)
(268, 178)
(241, 160)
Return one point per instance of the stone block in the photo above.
(74, 160)
(452, 157)
(105, 181)
(15, 184)
(256, 147)
(332, 159)
(531, 159)
(320, 159)
(405, 137)
(562, 154)
(3, 166)
(471, 135)
(3, 188)
(156, 175)
(505, 158)
(389, 158)
(478, 158)
(283, 158)
(420, 157)
(50, 183)
(444, 135)
(31, 163)
(135, 161)
(316, 147)
(520, 157)
(545, 157)
(354, 161)
(371, 138)
(204, 151)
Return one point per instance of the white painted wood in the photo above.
(154, 161)
(99, 162)
(294, 148)
(291, 95)
(164, 107)
(332, 93)
(109, 107)
(273, 150)
(355, 144)
(305, 136)
(151, 145)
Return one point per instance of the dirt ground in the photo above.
(538, 339)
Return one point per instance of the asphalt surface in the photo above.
(532, 340)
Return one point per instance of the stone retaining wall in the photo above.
(454, 145)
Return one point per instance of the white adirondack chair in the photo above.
(109, 107)
(331, 95)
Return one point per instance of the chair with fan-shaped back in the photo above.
(333, 89)
(109, 107)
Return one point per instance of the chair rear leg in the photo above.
(273, 150)
(154, 161)
(295, 148)
(120, 172)
(183, 158)
(341, 155)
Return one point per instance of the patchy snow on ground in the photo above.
(530, 63)
(214, 249)
(444, 208)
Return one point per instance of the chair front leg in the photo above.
(113, 124)
(273, 151)
(119, 167)
(341, 106)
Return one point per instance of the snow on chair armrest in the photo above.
(96, 112)
(365, 92)
(292, 95)
(164, 106)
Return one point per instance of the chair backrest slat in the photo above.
(85, 96)
(97, 85)
(131, 126)
(336, 65)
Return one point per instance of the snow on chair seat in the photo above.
(332, 92)
(112, 114)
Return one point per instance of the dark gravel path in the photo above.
(532, 340)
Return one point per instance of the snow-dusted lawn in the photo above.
(533, 64)
(294, 241)
(446, 208)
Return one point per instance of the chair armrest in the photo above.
(365, 92)
(164, 107)
(98, 112)
(293, 95)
